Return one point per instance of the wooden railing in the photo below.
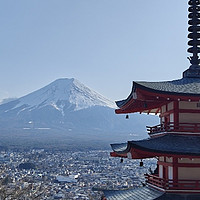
(169, 127)
(169, 184)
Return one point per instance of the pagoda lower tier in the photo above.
(178, 165)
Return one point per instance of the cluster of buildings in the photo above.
(66, 175)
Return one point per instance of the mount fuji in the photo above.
(66, 113)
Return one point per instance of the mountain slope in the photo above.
(61, 93)
(67, 109)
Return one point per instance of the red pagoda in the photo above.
(175, 142)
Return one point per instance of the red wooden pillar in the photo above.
(164, 169)
(175, 170)
(176, 115)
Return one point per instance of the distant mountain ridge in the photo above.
(61, 93)
(66, 110)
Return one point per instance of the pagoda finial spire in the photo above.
(194, 42)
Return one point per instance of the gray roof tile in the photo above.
(141, 193)
(169, 143)
(184, 85)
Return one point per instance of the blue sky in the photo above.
(105, 44)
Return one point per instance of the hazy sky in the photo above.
(105, 44)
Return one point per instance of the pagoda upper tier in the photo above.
(150, 96)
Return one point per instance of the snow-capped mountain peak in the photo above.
(64, 92)
(61, 113)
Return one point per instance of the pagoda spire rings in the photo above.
(194, 28)
(194, 39)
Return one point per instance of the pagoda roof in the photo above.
(154, 94)
(142, 193)
(166, 144)
(183, 86)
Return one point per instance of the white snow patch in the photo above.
(42, 128)
(63, 93)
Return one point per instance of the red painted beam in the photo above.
(153, 100)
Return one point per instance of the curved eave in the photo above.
(121, 148)
(125, 150)
(166, 145)
(140, 106)
(152, 152)
(137, 85)
(151, 96)
(121, 103)
(142, 153)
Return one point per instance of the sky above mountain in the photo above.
(104, 44)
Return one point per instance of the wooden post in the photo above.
(176, 115)
(175, 170)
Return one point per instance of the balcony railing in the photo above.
(169, 184)
(171, 127)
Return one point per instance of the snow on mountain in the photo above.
(6, 100)
(61, 93)
(66, 112)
